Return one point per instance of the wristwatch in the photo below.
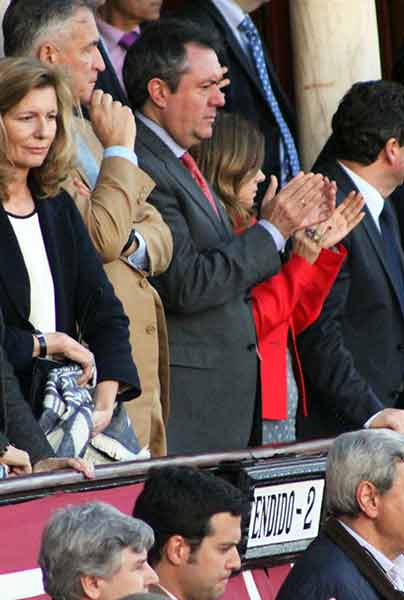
(43, 351)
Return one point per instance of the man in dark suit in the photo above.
(173, 79)
(248, 92)
(353, 355)
(359, 553)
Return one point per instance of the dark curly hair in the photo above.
(181, 500)
(369, 114)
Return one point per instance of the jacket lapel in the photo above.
(245, 62)
(13, 272)
(180, 173)
(346, 185)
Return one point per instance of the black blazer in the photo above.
(84, 297)
(107, 80)
(17, 423)
(245, 94)
(353, 355)
(205, 293)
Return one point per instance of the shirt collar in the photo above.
(231, 12)
(111, 34)
(165, 591)
(162, 134)
(383, 561)
(373, 198)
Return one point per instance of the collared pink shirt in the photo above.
(111, 36)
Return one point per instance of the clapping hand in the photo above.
(304, 200)
(344, 218)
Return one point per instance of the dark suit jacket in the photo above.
(353, 355)
(245, 94)
(205, 294)
(324, 571)
(107, 80)
(83, 295)
(17, 423)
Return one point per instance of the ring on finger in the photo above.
(313, 234)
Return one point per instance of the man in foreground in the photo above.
(94, 552)
(359, 553)
(196, 518)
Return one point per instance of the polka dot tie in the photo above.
(247, 27)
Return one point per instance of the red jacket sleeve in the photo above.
(297, 292)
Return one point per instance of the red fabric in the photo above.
(193, 168)
(291, 300)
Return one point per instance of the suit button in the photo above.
(150, 329)
(251, 347)
(143, 283)
(400, 347)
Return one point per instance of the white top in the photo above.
(42, 292)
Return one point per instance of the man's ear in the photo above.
(177, 550)
(391, 150)
(47, 53)
(92, 586)
(368, 499)
(158, 92)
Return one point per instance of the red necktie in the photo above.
(193, 168)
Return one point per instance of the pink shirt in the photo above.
(111, 36)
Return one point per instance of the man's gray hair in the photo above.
(365, 455)
(27, 23)
(87, 539)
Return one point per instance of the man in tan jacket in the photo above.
(110, 191)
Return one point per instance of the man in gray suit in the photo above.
(173, 79)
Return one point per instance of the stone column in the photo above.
(335, 44)
(3, 7)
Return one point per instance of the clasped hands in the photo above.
(305, 208)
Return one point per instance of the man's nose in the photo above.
(98, 61)
(150, 576)
(234, 561)
(217, 97)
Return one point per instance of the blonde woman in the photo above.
(52, 284)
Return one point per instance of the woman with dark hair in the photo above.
(286, 304)
(53, 290)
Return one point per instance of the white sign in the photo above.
(287, 512)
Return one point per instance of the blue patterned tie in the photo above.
(292, 166)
